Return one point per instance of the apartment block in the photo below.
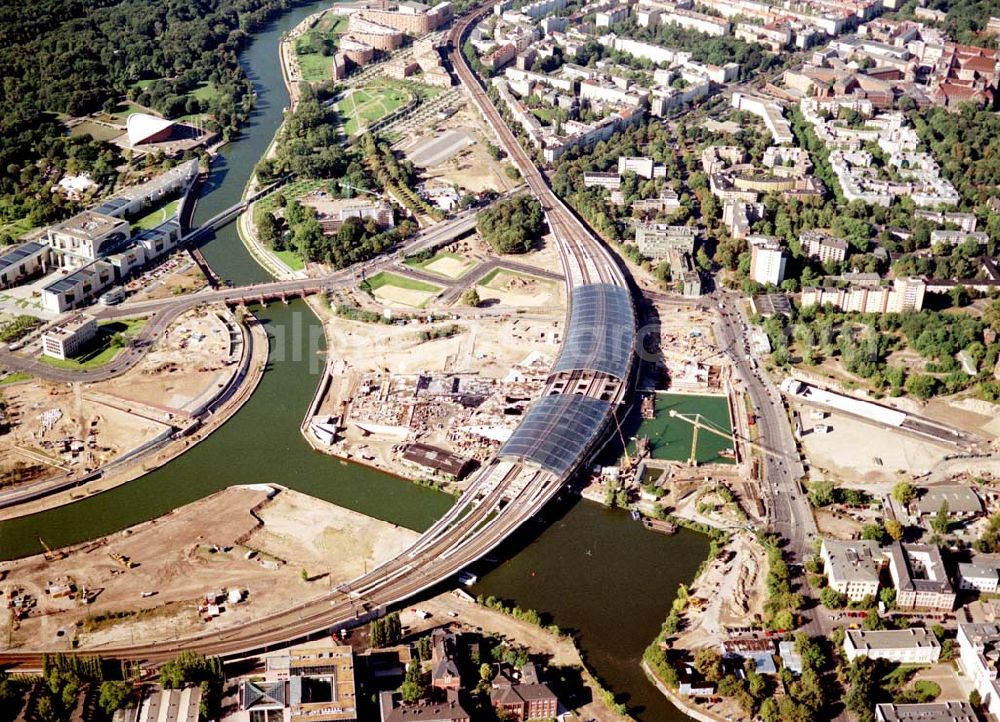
(852, 567)
(919, 576)
(915, 645)
(767, 259)
(823, 246)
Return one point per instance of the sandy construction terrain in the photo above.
(196, 549)
(520, 290)
(397, 296)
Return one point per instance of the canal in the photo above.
(590, 570)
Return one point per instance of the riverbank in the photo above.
(261, 540)
(558, 649)
(215, 411)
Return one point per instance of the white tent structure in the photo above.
(143, 128)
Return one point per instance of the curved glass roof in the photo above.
(601, 331)
(557, 430)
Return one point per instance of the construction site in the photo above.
(53, 429)
(219, 561)
(458, 386)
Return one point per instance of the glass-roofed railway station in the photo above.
(588, 381)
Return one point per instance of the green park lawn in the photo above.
(391, 279)
(160, 215)
(366, 105)
(290, 259)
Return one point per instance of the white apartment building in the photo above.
(823, 246)
(915, 645)
(767, 259)
(919, 576)
(771, 113)
(927, 712)
(852, 567)
(979, 652)
(979, 577)
(905, 294)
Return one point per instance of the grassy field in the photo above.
(317, 67)
(97, 131)
(363, 106)
(391, 279)
(290, 259)
(101, 350)
(18, 228)
(444, 259)
(152, 220)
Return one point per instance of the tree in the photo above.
(894, 529)
(940, 522)
(115, 696)
(874, 532)
(821, 493)
(470, 297)
(860, 697)
(511, 225)
(412, 688)
(708, 662)
(832, 599)
(904, 492)
(783, 620)
(485, 672)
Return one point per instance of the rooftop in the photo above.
(912, 638)
(88, 225)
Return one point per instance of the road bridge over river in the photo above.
(560, 431)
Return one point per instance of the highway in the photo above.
(788, 508)
(591, 378)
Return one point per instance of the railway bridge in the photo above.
(559, 433)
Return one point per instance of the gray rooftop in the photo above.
(960, 500)
(912, 638)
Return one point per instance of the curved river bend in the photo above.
(591, 570)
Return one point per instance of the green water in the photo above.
(670, 438)
(594, 571)
(609, 581)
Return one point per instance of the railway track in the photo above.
(508, 491)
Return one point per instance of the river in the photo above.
(591, 570)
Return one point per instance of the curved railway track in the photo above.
(507, 492)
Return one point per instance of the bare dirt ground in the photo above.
(472, 169)
(837, 526)
(486, 346)
(190, 359)
(398, 296)
(177, 277)
(59, 427)
(196, 549)
(850, 452)
(509, 288)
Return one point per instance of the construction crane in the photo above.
(50, 556)
(697, 423)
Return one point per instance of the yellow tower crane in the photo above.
(697, 423)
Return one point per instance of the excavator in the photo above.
(49, 554)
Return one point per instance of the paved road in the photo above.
(781, 487)
(498, 501)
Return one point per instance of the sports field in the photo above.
(391, 288)
(443, 263)
(362, 106)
